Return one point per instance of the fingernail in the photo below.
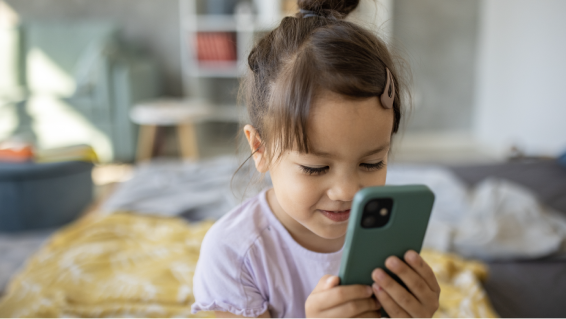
(392, 262)
(376, 287)
(412, 255)
(369, 290)
(329, 280)
(375, 274)
(378, 274)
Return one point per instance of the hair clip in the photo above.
(388, 94)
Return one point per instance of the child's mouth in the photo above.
(337, 216)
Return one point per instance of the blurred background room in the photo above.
(120, 135)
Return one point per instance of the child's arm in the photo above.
(221, 314)
(421, 301)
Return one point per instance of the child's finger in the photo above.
(325, 283)
(389, 304)
(343, 294)
(352, 308)
(416, 284)
(423, 269)
(398, 293)
(314, 303)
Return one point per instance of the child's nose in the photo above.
(344, 189)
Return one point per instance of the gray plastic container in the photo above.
(44, 195)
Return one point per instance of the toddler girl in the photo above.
(324, 98)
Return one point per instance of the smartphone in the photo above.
(384, 221)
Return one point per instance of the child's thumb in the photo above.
(327, 282)
(332, 281)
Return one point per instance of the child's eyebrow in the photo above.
(375, 151)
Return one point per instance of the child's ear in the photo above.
(258, 150)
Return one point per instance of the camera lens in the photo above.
(368, 221)
(372, 206)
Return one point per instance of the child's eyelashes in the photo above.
(314, 170)
(373, 166)
(321, 170)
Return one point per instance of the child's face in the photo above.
(349, 141)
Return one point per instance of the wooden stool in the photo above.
(169, 112)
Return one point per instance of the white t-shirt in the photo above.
(249, 263)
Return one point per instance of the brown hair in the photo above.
(304, 56)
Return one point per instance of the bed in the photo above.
(134, 263)
(131, 265)
(526, 288)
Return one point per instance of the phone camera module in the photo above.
(377, 213)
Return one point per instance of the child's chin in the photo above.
(332, 232)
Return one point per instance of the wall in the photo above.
(375, 15)
(438, 38)
(522, 76)
(152, 26)
(513, 96)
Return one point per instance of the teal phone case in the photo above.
(367, 248)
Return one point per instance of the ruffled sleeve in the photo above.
(223, 281)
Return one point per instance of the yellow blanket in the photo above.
(139, 266)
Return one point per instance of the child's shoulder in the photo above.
(223, 280)
(237, 231)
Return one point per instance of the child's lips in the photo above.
(337, 216)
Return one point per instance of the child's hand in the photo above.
(421, 301)
(330, 300)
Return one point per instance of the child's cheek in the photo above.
(298, 193)
(309, 190)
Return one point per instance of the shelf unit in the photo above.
(203, 79)
(216, 82)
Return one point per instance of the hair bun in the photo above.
(325, 7)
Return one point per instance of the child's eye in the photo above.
(373, 167)
(314, 170)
